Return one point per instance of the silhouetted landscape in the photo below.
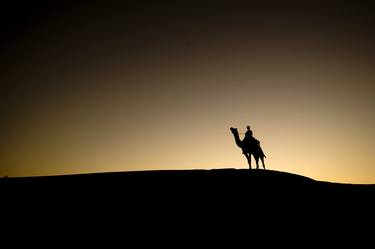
(224, 184)
(203, 200)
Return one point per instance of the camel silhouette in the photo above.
(249, 148)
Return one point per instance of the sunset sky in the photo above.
(102, 86)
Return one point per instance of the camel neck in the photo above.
(237, 139)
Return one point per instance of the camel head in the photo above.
(236, 136)
(234, 130)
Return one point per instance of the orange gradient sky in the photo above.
(137, 87)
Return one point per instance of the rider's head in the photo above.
(248, 127)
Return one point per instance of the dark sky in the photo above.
(116, 85)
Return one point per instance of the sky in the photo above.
(102, 86)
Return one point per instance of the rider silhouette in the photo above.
(249, 139)
(249, 133)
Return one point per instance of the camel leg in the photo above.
(257, 161)
(248, 157)
(264, 166)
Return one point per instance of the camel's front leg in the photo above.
(248, 157)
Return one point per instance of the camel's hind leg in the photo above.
(257, 161)
(262, 159)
